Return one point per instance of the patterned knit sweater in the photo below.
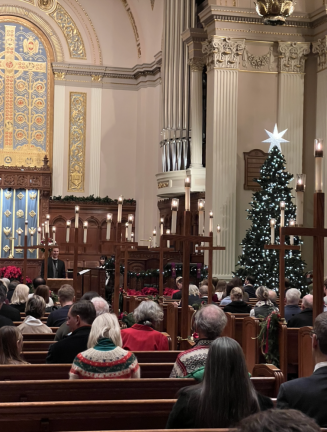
(191, 360)
(105, 361)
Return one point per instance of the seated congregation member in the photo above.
(38, 281)
(219, 290)
(4, 321)
(193, 295)
(79, 320)
(35, 310)
(237, 305)
(179, 285)
(209, 323)
(309, 394)
(304, 318)
(292, 303)
(275, 420)
(226, 300)
(101, 307)
(44, 292)
(224, 397)
(142, 336)
(11, 346)
(20, 297)
(66, 297)
(264, 305)
(105, 358)
(273, 297)
(6, 310)
(249, 286)
(11, 289)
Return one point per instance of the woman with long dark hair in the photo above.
(224, 397)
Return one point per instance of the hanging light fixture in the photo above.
(274, 12)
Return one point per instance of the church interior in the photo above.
(163, 261)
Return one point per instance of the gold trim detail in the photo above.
(162, 185)
(8, 195)
(136, 33)
(76, 169)
(73, 36)
(6, 248)
(20, 196)
(32, 213)
(47, 6)
(7, 213)
(96, 78)
(33, 195)
(20, 213)
(60, 76)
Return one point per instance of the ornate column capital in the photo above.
(320, 48)
(292, 56)
(223, 53)
(197, 64)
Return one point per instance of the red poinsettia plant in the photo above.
(144, 291)
(169, 292)
(12, 272)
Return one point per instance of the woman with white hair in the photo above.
(142, 336)
(105, 358)
(20, 297)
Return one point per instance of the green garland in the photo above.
(268, 338)
(91, 198)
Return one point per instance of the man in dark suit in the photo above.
(3, 296)
(56, 267)
(79, 320)
(248, 286)
(304, 318)
(309, 394)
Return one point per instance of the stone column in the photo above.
(196, 103)
(59, 152)
(222, 89)
(292, 57)
(95, 139)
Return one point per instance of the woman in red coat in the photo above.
(142, 336)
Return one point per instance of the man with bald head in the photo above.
(305, 317)
(209, 323)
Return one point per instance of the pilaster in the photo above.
(222, 58)
(95, 139)
(59, 135)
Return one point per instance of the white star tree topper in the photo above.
(275, 138)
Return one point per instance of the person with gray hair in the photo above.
(264, 307)
(209, 323)
(4, 321)
(305, 317)
(292, 303)
(142, 336)
(100, 304)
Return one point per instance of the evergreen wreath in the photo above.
(268, 338)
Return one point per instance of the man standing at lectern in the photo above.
(56, 267)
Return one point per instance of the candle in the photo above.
(318, 164)
(26, 227)
(19, 232)
(39, 235)
(187, 194)
(292, 224)
(46, 226)
(85, 224)
(201, 207)
(47, 217)
(174, 209)
(68, 223)
(32, 232)
(120, 209)
(54, 234)
(126, 231)
(109, 221)
(218, 235)
(168, 241)
(76, 216)
(130, 225)
(154, 238)
(42, 230)
(300, 188)
(161, 226)
(272, 226)
(211, 222)
(282, 213)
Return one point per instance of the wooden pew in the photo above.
(61, 371)
(250, 343)
(174, 321)
(267, 371)
(39, 337)
(234, 326)
(306, 363)
(18, 323)
(84, 415)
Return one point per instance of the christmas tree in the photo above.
(265, 205)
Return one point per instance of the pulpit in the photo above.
(54, 284)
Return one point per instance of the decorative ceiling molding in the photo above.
(39, 22)
(136, 33)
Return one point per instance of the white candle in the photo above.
(19, 232)
(54, 234)
(126, 231)
(218, 235)
(201, 204)
(76, 216)
(154, 238)
(109, 220)
(47, 217)
(42, 230)
(26, 227)
(174, 209)
(85, 224)
(272, 229)
(187, 194)
(318, 164)
(32, 231)
(161, 226)
(132, 239)
(282, 213)
(211, 222)
(120, 209)
(39, 235)
(68, 223)
(130, 225)
(168, 241)
(46, 226)
(292, 224)
(300, 188)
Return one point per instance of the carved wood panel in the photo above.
(253, 161)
